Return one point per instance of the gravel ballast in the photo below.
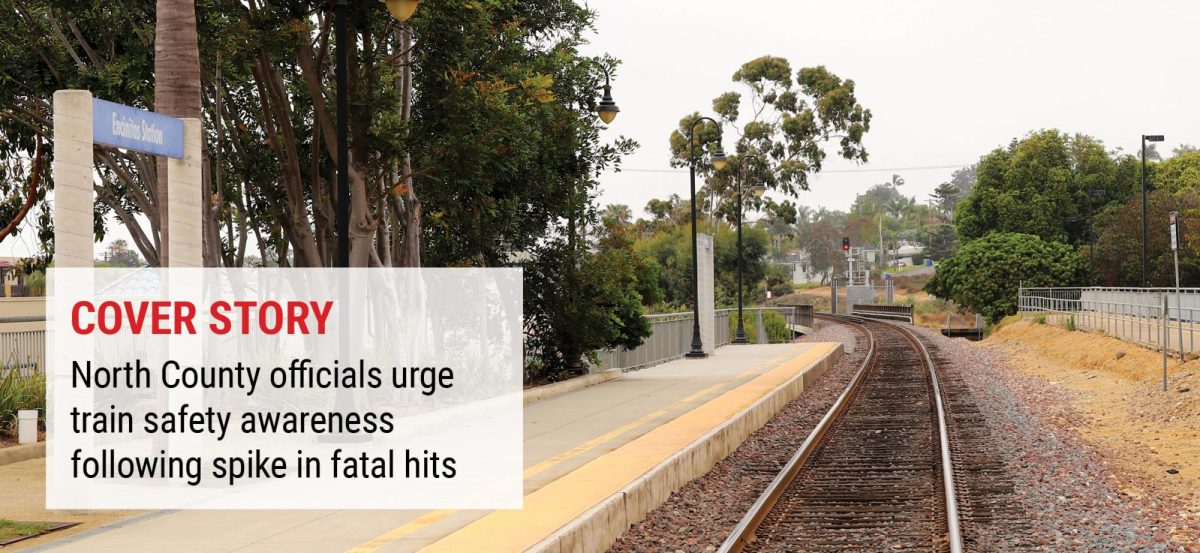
(1056, 493)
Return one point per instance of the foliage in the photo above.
(17, 392)
(1040, 185)
(573, 311)
(1179, 172)
(943, 242)
(774, 323)
(670, 250)
(118, 254)
(1119, 240)
(785, 119)
(986, 272)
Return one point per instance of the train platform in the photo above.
(596, 460)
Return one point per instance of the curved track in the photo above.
(876, 473)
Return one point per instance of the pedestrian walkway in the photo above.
(593, 431)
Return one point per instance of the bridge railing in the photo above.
(898, 312)
(671, 336)
(1147, 316)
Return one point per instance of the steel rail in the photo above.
(743, 533)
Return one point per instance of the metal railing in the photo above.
(671, 336)
(1148, 316)
(883, 311)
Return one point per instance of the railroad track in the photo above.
(876, 473)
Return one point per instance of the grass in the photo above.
(12, 529)
(19, 392)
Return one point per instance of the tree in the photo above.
(1119, 240)
(875, 200)
(473, 133)
(787, 122)
(943, 242)
(964, 179)
(118, 254)
(1038, 184)
(605, 312)
(946, 196)
(176, 88)
(1177, 173)
(985, 273)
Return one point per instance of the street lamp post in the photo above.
(759, 189)
(718, 162)
(1145, 224)
(607, 110)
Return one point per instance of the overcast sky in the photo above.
(946, 80)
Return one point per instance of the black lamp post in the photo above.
(718, 162)
(607, 110)
(1145, 224)
(759, 189)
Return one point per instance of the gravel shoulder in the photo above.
(1106, 395)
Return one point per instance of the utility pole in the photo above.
(1145, 223)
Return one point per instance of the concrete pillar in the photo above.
(707, 298)
(184, 202)
(73, 203)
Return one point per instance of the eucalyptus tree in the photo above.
(789, 119)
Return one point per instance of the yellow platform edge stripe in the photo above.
(558, 503)
(416, 525)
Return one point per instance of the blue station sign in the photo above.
(136, 129)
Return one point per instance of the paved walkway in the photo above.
(562, 434)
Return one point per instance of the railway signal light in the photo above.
(845, 244)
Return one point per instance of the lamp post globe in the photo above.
(401, 10)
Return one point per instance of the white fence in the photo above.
(23, 350)
(1148, 316)
(671, 337)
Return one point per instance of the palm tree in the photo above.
(897, 182)
(176, 83)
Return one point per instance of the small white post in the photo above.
(27, 426)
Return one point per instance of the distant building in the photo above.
(12, 278)
(798, 262)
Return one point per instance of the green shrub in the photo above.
(1041, 319)
(777, 328)
(19, 392)
(1071, 322)
(985, 273)
(773, 322)
(782, 289)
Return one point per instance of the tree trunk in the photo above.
(412, 225)
(176, 84)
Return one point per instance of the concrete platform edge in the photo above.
(598, 528)
(559, 388)
(18, 453)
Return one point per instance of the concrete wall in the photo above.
(708, 301)
(73, 204)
